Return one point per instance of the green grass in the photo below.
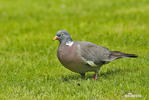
(29, 68)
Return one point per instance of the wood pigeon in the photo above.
(82, 56)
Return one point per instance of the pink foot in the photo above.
(95, 76)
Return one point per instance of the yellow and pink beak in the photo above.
(56, 38)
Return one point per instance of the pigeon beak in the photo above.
(55, 38)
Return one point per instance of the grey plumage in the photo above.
(82, 56)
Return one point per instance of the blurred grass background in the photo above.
(29, 68)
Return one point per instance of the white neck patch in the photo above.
(69, 43)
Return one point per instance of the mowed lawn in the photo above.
(30, 70)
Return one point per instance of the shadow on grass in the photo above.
(117, 71)
(101, 74)
(71, 77)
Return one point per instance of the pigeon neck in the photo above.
(65, 41)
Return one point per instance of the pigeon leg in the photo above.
(95, 76)
(82, 75)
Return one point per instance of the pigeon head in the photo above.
(62, 36)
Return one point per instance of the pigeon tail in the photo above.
(119, 54)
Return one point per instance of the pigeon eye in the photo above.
(62, 34)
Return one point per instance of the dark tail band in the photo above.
(131, 55)
(119, 54)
